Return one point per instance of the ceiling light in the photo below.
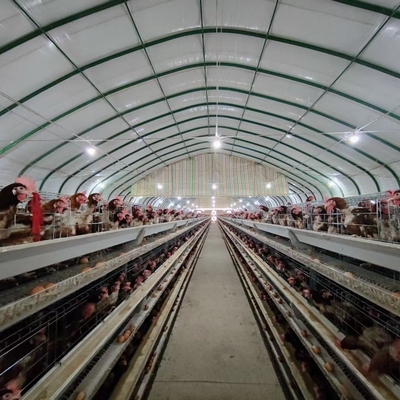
(247, 204)
(269, 185)
(240, 200)
(192, 204)
(331, 183)
(187, 201)
(234, 204)
(213, 197)
(172, 204)
(159, 186)
(217, 143)
(91, 151)
(214, 186)
(354, 138)
(179, 198)
(179, 206)
(102, 184)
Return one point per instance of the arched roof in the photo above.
(290, 81)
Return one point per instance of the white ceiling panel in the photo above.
(176, 53)
(227, 96)
(120, 71)
(371, 86)
(46, 12)
(238, 14)
(237, 49)
(36, 149)
(267, 120)
(156, 127)
(106, 130)
(96, 36)
(164, 144)
(86, 117)
(261, 148)
(158, 20)
(135, 96)
(261, 130)
(203, 110)
(339, 27)
(13, 23)
(63, 97)
(325, 125)
(353, 113)
(160, 134)
(13, 126)
(193, 125)
(286, 89)
(264, 141)
(45, 62)
(189, 99)
(275, 107)
(302, 63)
(223, 120)
(385, 48)
(181, 81)
(237, 78)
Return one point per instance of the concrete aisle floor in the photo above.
(215, 351)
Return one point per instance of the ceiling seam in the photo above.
(155, 75)
(257, 67)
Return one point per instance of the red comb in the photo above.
(27, 182)
(84, 192)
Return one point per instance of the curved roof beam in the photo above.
(370, 7)
(239, 154)
(260, 95)
(195, 144)
(203, 31)
(194, 129)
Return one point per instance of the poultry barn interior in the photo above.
(199, 199)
